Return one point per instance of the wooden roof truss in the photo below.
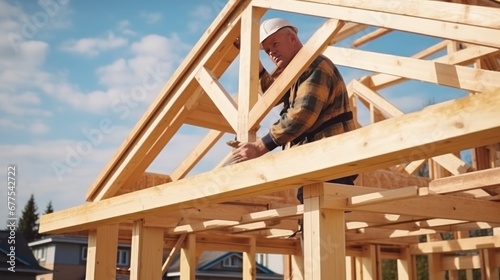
(249, 207)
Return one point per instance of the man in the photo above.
(315, 107)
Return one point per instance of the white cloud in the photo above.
(198, 15)
(11, 124)
(23, 104)
(94, 46)
(124, 28)
(153, 17)
(39, 127)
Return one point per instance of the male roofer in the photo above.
(315, 107)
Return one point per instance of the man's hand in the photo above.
(249, 150)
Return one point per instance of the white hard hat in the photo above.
(270, 26)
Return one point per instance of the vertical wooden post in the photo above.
(287, 267)
(147, 252)
(369, 262)
(248, 90)
(436, 271)
(406, 266)
(297, 264)
(101, 252)
(350, 268)
(324, 238)
(188, 259)
(294, 266)
(249, 267)
(469, 275)
(488, 269)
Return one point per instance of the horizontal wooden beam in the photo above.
(386, 195)
(456, 76)
(464, 123)
(467, 181)
(430, 206)
(266, 215)
(421, 22)
(444, 11)
(372, 234)
(460, 57)
(463, 244)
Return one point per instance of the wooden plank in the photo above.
(446, 12)
(146, 252)
(188, 260)
(468, 181)
(101, 252)
(488, 267)
(374, 234)
(219, 95)
(173, 253)
(248, 83)
(459, 30)
(207, 225)
(468, 122)
(364, 92)
(370, 36)
(297, 266)
(461, 57)
(145, 134)
(196, 154)
(249, 265)
(436, 271)
(431, 206)
(369, 262)
(279, 213)
(384, 196)
(405, 265)
(273, 213)
(461, 77)
(310, 50)
(463, 244)
(462, 262)
(452, 163)
(324, 241)
(449, 161)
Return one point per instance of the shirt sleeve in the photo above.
(311, 95)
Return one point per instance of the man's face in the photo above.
(280, 47)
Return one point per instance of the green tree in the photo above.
(28, 223)
(49, 208)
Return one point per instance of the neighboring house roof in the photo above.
(24, 259)
(210, 259)
(73, 239)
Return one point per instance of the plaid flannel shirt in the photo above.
(318, 95)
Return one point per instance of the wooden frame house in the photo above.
(250, 207)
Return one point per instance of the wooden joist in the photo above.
(468, 181)
(463, 244)
(430, 206)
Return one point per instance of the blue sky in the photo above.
(77, 75)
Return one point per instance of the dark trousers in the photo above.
(349, 180)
